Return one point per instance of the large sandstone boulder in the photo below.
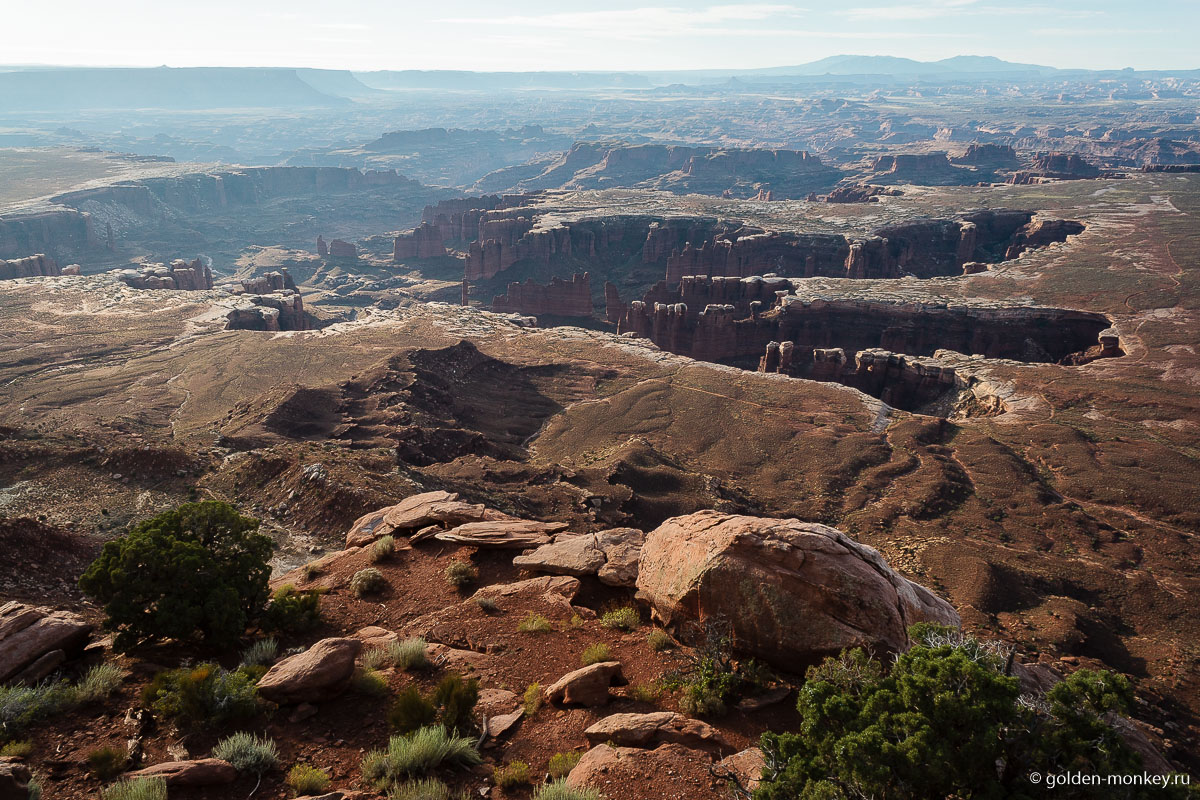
(32, 637)
(438, 509)
(611, 555)
(587, 686)
(318, 673)
(658, 727)
(612, 770)
(792, 592)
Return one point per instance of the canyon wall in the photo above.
(560, 298)
(29, 267)
(60, 234)
(721, 333)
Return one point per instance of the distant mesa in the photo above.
(730, 172)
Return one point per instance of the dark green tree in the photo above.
(199, 571)
(946, 721)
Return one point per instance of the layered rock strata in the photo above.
(560, 298)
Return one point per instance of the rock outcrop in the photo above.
(438, 509)
(587, 686)
(342, 249)
(859, 193)
(790, 592)
(611, 555)
(518, 534)
(559, 298)
(320, 672)
(29, 267)
(654, 729)
(279, 311)
(179, 274)
(31, 638)
(268, 282)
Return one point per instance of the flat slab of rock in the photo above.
(501, 724)
(793, 592)
(746, 767)
(201, 772)
(587, 686)
(518, 534)
(656, 728)
(374, 636)
(612, 555)
(30, 633)
(320, 672)
(611, 769)
(441, 509)
(552, 588)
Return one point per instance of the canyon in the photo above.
(609, 349)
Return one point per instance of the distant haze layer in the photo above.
(624, 35)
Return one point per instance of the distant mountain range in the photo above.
(25, 88)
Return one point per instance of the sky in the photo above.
(613, 35)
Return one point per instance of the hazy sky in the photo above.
(609, 35)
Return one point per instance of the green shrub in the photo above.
(626, 618)
(374, 769)
(558, 790)
(367, 581)
(99, 683)
(419, 753)
(138, 789)
(198, 571)
(202, 695)
(312, 571)
(596, 653)
(382, 549)
(455, 699)
(940, 721)
(533, 698)
(406, 654)
(22, 750)
(659, 641)
(563, 763)
(452, 704)
(248, 753)
(370, 683)
(261, 654)
(460, 574)
(411, 710)
(304, 780)
(424, 789)
(34, 788)
(23, 706)
(534, 623)
(292, 610)
(515, 774)
(646, 693)
(107, 763)
(488, 605)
